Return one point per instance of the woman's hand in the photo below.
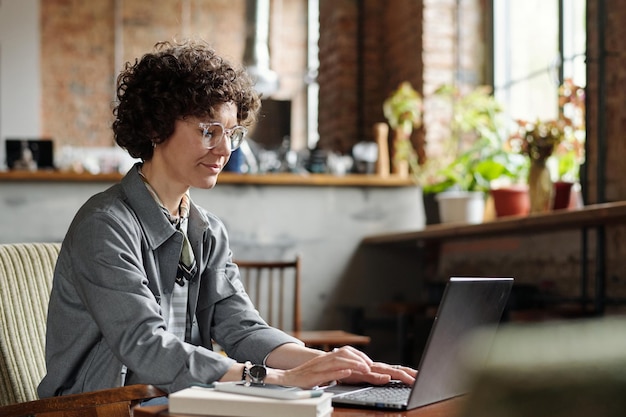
(346, 364)
(382, 373)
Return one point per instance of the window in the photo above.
(313, 64)
(533, 55)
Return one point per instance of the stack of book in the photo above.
(211, 402)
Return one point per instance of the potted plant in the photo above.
(481, 155)
(555, 149)
(403, 111)
(570, 153)
(567, 165)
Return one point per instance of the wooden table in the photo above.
(328, 339)
(595, 216)
(449, 408)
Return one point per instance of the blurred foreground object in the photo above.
(575, 368)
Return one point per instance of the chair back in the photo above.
(26, 271)
(274, 288)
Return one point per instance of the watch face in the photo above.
(257, 373)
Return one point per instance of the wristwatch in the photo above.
(257, 374)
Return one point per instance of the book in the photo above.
(211, 402)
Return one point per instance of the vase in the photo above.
(539, 187)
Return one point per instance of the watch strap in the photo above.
(245, 374)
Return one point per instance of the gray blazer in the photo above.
(111, 293)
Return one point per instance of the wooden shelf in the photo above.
(60, 176)
(595, 216)
(350, 180)
(588, 216)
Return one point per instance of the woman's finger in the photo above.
(311, 377)
(393, 369)
(353, 352)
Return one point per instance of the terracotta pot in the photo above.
(511, 201)
(562, 194)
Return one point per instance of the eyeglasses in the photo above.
(213, 133)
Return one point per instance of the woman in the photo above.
(145, 279)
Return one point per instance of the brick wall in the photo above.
(338, 74)
(77, 54)
(85, 43)
(606, 76)
(366, 49)
(605, 107)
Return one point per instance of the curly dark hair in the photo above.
(176, 80)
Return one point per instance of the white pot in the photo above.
(461, 206)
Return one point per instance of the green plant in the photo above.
(403, 111)
(570, 154)
(559, 142)
(480, 154)
(539, 140)
(567, 165)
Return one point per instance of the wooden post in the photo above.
(381, 136)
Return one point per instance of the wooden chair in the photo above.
(26, 271)
(274, 288)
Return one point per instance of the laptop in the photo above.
(466, 305)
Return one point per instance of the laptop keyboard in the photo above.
(395, 393)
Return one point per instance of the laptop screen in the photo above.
(467, 304)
